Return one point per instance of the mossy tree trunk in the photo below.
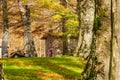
(1, 72)
(28, 38)
(104, 60)
(5, 29)
(98, 65)
(63, 22)
(86, 11)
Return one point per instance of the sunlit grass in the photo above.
(57, 68)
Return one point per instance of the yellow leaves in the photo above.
(45, 3)
(61, 34)
(52, 5)
(59, 8)
(29, 2)
(71, 23)
(71, 26)
(56, 18)
(24, 1)
(48, 4)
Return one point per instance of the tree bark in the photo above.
(97, 67)
(64, 38)
(86, 11)
(115, 68)
(5, 29)
(1, 72)
(28, 38)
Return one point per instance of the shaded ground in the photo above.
(58, 68)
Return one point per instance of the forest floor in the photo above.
(57, 68)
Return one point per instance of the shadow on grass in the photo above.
(68, 68)
(57, 65)
(21, 74)
(66, 73)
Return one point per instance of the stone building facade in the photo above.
(51, 46)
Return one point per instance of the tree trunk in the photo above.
(64, 38)
(28, 38)
(86, 11)
(5, 29)
(97, 67)
(115, 69)
(1, 72)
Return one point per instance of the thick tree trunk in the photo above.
(86, 9)
(28, 38)
(64, 38)
(97, 67)
(115, 70)
(5, 29)
(104, 61)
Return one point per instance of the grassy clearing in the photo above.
(57, 68)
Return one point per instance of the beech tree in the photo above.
(115, 30)
(29, 46)
(63, 20)
(99, 65)
(85, 9)
(5, 29)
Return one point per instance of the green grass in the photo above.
(57, 68)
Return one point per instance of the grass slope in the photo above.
(57, 68)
